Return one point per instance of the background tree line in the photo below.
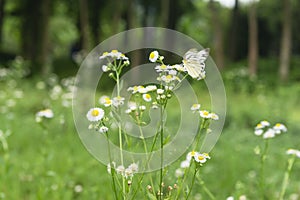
(48, 32)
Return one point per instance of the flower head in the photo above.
(153, 56)
(205, 114)
(195, 107)
(105, 100)
(47, 113)
(103, 129)
(293, 152)
(200, 158)
(95, 114)
(147, 97)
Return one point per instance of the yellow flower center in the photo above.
(193, 153)
(163, 67)
(205, 113)
(147, 96)
(152, 55)
(114, 51)
(169, 76)
(95, 113)
(278, 125)
(105, 53)
(259, 126)
(107, 100)
(201, 158)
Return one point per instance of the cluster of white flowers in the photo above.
(204, 113)
(110, 56)
(200, 158)
(294, 152)
(47, 113)
(142, 89)
(116, 101)
(125, 172)
(263, 128)
(115, 54)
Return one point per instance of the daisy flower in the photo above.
(105, 68)
(214, 116)
(47, 113)
(270, 133)
(200, 158)
(151, 88)
(191, 155)
(105, 100)
(153, 56)
(147, 97)
(162, 68)
(279, 127)
(95, 114)
(258, 132)
(160, 91)
(134, 167)
(265, 123)
(120, 169)
(293, 152)
(185, 164)
(205, 114)
(103, 129)
(118, 101)
(179, 173)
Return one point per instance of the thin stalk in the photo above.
(161, 150)
(262, 170)
(147, 162)
(287, 176)
(193, 182)
(112, 170)
(145, 145)
(206, 190)
(120, 138)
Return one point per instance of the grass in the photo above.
(54, 164)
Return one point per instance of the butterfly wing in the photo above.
(194, 62)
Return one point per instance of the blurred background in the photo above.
(255, 44)
(52, 35)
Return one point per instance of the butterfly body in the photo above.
(194, 62)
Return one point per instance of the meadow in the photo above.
(48, 161)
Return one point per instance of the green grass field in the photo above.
(51, 162)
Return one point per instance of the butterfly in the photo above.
(194, 62)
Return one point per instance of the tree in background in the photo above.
(35, 15)
(234, 31)
(217, 34)
(84, 24)
(286, 37)
(2, 3)
(252, 41)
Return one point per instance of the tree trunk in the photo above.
(84, 24)
(2, 3)
(116, 15)
(252, 40)
(165, 9)
(285, 49)
(95, 20)
(218, 34)
(35, 34)
(234, 30)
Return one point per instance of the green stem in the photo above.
(161, 150)
(193, 182)
(147, 162)
(262, 161)
(111, 167)
(206, 190)
(287, 176)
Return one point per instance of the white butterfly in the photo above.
(194, 62)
